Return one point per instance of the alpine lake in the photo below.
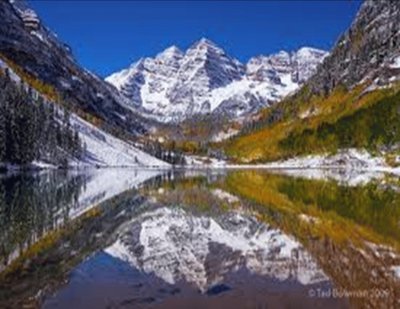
(185, 238)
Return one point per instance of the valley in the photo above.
(202, 102)
(206, 174)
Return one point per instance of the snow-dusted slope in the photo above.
(175, 245)
(103, 149)
(29, 44)
(296, 67)
(204, 79)
(98, 187)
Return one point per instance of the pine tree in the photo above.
(2, 127)
(43, 126)
(77, 147)
(11, 141)
(24, 130)
(30, 128)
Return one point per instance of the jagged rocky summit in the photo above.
(204, 79)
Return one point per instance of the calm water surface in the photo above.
(118, 238)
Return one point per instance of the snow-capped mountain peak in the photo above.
(300, 64)
(307, 52)
(176, 85)
(204, 67)
(138, 65)
(177, 246)
(307, 59)
(170, 52)
(205, 44)
(169, 57)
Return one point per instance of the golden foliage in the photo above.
(45, 89)
(298, 203)
(263, 144)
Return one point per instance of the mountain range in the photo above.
(352, 100)
(33, 57)
(279, 106)
(204, 79)
(177, 246)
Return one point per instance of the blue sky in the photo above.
(107, 36)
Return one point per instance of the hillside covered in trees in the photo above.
(32, 129)
(350, 102)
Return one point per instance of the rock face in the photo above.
(29, 44)
(368, 51)
(300, 65)
(176, 85)
(176, 246)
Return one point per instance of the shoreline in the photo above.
(272, 167)
(349, 160)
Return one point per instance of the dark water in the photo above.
(199, 239)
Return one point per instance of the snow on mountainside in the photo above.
(98, 187)
(103, 149)
(29, 44)
(176, 85)
(176, 246)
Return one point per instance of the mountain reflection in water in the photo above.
(171, 239)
